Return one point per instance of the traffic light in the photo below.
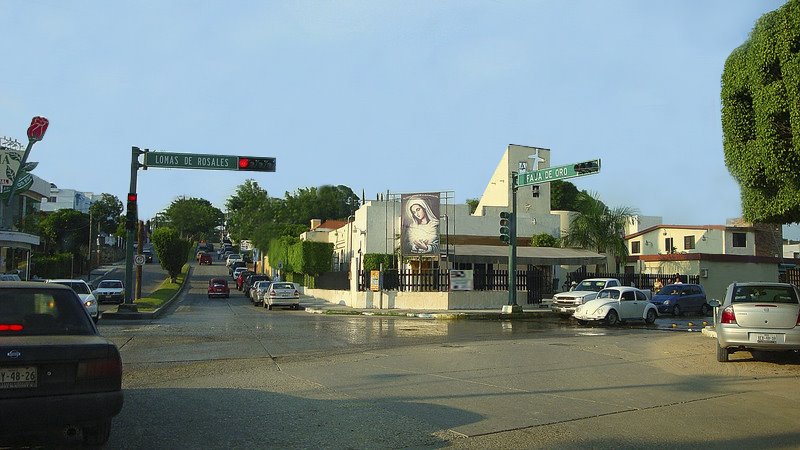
(130, 213)
(505, 226)
(535, 191)
(256, 163)
(587, 167)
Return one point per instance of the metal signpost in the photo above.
(169, 160)
(508, 220)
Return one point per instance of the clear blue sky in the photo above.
(399, 96)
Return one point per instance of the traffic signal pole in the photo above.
(130, 234)
(512, 306)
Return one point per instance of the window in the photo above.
(739, 239)
(668, 246)
(628, 296)
(636, 247)
(688, 242)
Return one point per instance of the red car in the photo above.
(205, 258)
(218, 287)
(240, 279)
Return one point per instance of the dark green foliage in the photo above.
(373, 261)
(761, 117)
(170, 249)
(105, 213)
(563, 196)
(544, 240)
(473, 204)
(193, 218)
(52, 266)
(310, 258)
(278, 252)
(598, 227)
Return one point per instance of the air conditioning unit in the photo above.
(703, 273)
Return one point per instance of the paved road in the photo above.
(222, 373)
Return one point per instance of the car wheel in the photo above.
(612, 318)
(676, 311)
(706, 309)
(98, 433)
(722, 353)
(650, 317)
(583, 322)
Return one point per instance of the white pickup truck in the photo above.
(565, 303)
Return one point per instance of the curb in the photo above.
(111, 315)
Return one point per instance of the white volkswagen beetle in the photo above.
(617, 304)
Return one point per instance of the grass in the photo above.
(164, 293)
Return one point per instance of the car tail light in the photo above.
(11, 327)
(99, 368)
(296, 293)
(728, 316)
(798, 318)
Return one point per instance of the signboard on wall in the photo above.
(461, 280)
(375, 280)
(420, 223)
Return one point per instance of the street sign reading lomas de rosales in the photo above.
(190, 161)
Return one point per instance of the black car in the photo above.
(250, 280)
(148, 256)
(59, 378)
(234, 265)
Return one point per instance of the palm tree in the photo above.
(598, 227)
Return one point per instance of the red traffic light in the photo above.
(132, 197)
(244, 162)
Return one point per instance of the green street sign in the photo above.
(191, 161)
(559, 173)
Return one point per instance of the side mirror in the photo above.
(714, 303)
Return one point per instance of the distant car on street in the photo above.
(58, 375)
(110, 291)
(148, 255)
(677, 299)
(205, 258)
(233, 257)
(282, 293)
(84, 292)
(761, 316)
(250, 280)
(565, 303)
(615, 305)
(218, 287)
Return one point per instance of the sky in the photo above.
(380, 96)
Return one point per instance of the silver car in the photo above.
(757, 316)
(258, 291)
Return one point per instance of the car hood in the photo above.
(574, 294)
(592, 305)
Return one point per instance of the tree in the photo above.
(249, 209)
(105, 214)
(544, 240)
(170, 249)
(473, 204)
(194, 218)
(563, 196)
(760, 111)
(65, 230)
(599, 227)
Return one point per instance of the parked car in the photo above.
(59, 375)
(9, 277)
(84, 292)
(617, 304)
(148, 255)
(238, 271)
(282, 293)
(110, 291)
(233, 257)
(218, 287)
(565, 303)
(758, 316)
(236, 265)
(241, 277)
(257, 291)
(677, 299)
(199, 254)
(250, 280)
(205, 258)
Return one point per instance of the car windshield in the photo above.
(612, 294)
(109, 284)
(282, 286)
(588, 285)
(765, 294)
(669, 290)
(78, 286)
(28, 312)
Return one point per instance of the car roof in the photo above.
(31, 285)
(65, 280)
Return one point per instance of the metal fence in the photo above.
(639, 280)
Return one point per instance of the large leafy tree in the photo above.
(324, 202)
(193, 218)
(761, 117)
(598, 227)
(563, 196)
(105, 213)
(65, 230)
(171, 250)
(249, 209)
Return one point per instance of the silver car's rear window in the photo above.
(29, 312)
(764, 294)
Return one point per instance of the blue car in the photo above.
(680, 298)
